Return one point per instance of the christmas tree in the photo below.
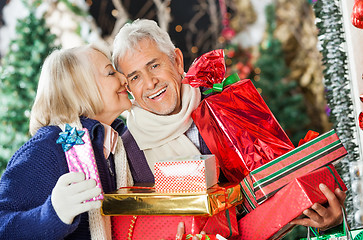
(19, 73)
(282, 96)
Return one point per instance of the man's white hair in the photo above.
(130, 34)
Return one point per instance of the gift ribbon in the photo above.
(335, 178)
(70, 137)
(310, 135)
(206, 70)
(229, 223)
(218, 87)
(130, 232)
(229, 197)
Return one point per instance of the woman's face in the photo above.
(112, 88)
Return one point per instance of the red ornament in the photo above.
(360, 119)
(357, 14)
(230, 53)
(228, 33)
(361, 97)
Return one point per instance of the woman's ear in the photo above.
(179, 61)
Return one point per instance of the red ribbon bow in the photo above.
(206, 70)
(310, 135)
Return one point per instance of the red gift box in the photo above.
(236, 124)
(271, 219)
(240, 130)
(266, 180)
(165, 227)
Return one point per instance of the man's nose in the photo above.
(150, 80)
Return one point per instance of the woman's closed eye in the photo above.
(111, 73)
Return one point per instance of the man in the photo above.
(159, 123)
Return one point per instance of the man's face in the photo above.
(153, 78)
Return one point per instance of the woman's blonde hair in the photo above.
(67, 88)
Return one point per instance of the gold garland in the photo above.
(298, 34)
(244, 14)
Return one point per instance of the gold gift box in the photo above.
(144, 200)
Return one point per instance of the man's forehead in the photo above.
(140, 57)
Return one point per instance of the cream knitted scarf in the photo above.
(100, 226)
(161, 136)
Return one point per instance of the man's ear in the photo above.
(179, 61)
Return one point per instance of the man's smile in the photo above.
(158, 94)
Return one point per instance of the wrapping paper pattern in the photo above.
(81, 158)
(269, 178)
(239, 128)
(249, 200)
(164, 227)
(145, 201)
(270, 220)
(195, 173)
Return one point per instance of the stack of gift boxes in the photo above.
(270, 180)
(278, 180)
(185, 190)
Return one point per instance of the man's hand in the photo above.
(321, 217)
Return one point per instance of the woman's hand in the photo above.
(321, 217)
(69, 194)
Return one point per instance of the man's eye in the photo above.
(134, 78)
(111, 73)
(155, 65)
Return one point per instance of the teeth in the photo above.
(157, 94)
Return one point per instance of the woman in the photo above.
(39, 198)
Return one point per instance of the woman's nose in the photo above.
(122, 78)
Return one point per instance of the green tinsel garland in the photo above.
(338, 93)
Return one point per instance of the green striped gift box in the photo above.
(266, 180)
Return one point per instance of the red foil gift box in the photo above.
(165, 227)
(236, 124)
(240, 130)
(271, 219)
